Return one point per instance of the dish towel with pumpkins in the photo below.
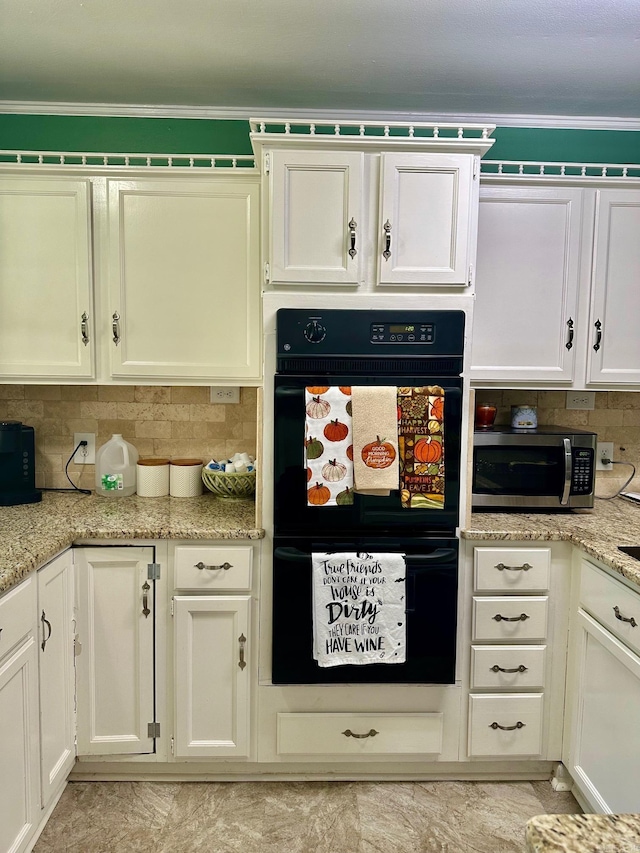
(359, 608)
(375, 439)
(421, 447)
(328, 446)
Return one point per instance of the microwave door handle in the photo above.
(568, 471)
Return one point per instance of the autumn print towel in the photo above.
(328, 446)
(375, 439)
(359, 608)
(421, 447)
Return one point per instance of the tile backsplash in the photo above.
(160, 421)
(616, 418)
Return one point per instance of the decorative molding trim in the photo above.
(530, 170)
(93, 160)
(244, 114)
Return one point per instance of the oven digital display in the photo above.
(402, 333)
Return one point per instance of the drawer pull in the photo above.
(242, 641)
(46, 622)
(521, 668)
(224, 566)
(518, 725)
(520, 618)
(622, 618)
(370, 733)
(523, 568)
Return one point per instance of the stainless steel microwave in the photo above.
(548, 467)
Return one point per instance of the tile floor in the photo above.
(298, 817)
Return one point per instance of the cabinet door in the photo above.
(19, 806)
(603, 732)
(184, 286)
(424, 229)
(45, 279)
(316, 217)
(57, 674)
(115, 661)
(527, 276)
(212, 672)
(614, 347)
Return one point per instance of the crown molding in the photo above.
(244, 113)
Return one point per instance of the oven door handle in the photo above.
(439, 555)
(568, 472)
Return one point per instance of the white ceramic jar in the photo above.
(153, 478)
(185, 478)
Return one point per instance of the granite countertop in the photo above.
(583, 833)
(598, 532)
(31, 534)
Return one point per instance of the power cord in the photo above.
(624, 485)
(66, 471)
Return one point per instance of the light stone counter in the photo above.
(34, 533)
(598, 532)
(588, 833)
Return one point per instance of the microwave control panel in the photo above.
(582, 478)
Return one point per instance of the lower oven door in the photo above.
(432, 593)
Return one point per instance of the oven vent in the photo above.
(370, 366)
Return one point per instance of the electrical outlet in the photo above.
(581, 400)
(604, 451)
(85, 455)
(225, 394)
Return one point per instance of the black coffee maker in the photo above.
(17, 464)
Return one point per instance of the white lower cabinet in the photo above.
(212, 645)
(19, 754)
(602, 736)
(115, 657)
(57, 674)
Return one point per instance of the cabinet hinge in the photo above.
(476, 167)
(267, 274)
(470, 274)
(267, 162)
(153, 730)
(153, 571)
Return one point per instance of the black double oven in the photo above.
(365, 347)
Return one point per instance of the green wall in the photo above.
(106, 134)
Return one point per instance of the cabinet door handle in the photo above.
(352, 237)
(521, 668)
(242, 640)
(520, 618)
(523, 568)
(622, 618)
(115, 327)
(145, 599)
(569, 342)
(598, 327)
(84, 328)
(387, 240)
(225, 566)
(518, 725)
(46, 622)
(370, 733)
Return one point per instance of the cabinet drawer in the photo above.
(517, 569)
(519, 714)
(603, 597)
(492, 667)
(213, 567)
(17, 614)
(359, 734)
(510, 617)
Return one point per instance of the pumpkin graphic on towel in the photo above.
(315, 448)
(318, 494)
(345, 498)
(336, 431)
(318, 408)
(334, 471)
(318, 389)
(378, 453)
(427, 450)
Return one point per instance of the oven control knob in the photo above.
(314, 332)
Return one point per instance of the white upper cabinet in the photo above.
(317, 217)
(183, 279)
(425, 222)
(614, 345)
(528, 276)
(46, 302)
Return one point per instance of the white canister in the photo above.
(524, 417)
(153, 478)
(185, 478)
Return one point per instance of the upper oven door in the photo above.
(292, 515)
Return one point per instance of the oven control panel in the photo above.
(402, 333)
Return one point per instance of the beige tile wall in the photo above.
(616, 418)
(167, 421)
